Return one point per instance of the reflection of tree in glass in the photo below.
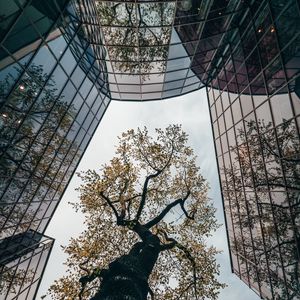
(33, 125)
(265, 205)
(137, 34)
(137, 230)
(12, 279)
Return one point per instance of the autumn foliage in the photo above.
(151, 188)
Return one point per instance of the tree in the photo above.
(262, 194)
(147, 215)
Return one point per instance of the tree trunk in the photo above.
(127, 276)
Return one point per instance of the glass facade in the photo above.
(253, 92)
(61, 62)
(23, 258)
(146, 59)
(53, 93)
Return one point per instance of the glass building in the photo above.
(63, 61)
(253, 91)
(53, 93)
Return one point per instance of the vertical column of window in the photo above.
(70, 153)
(255, 172)
(72, 156)
(234, 198)
(236, 178)
(47, 139)
(15, 110)
(248, 155)
(284, 168)
(224, 190)
(274, 180)
(242, 243)
(257, 87)
(59, 139)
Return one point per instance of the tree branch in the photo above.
(111, 205)
(144, 194)
(187, 253)
(122, 191)
(145, 188)
(158, 218)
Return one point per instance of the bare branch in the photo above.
(144, 194)
(110, 204)
(168, 246)
(148, 178)
(81, 265)
(146, 159)
(192, 260)
(173, 243)
(180, 201)
(122, 191)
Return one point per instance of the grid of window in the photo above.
(22, 263)
(53, 93)
(146, 59)
(255, 111)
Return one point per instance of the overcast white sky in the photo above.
(189, 110)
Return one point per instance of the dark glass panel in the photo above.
(21, 35)
(275, 76)
(82, 114)
(44, 60)
(268, 46)
(77, 76)
(288, 25)
(88, 121)
(9, 13)
(85, 87)
(68, 61)
(68, 93)
(59, 78)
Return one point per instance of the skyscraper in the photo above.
(254, 101)
(53, 95)
(62, 62)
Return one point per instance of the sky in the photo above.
(191, 111)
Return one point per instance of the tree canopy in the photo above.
(152, 188)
